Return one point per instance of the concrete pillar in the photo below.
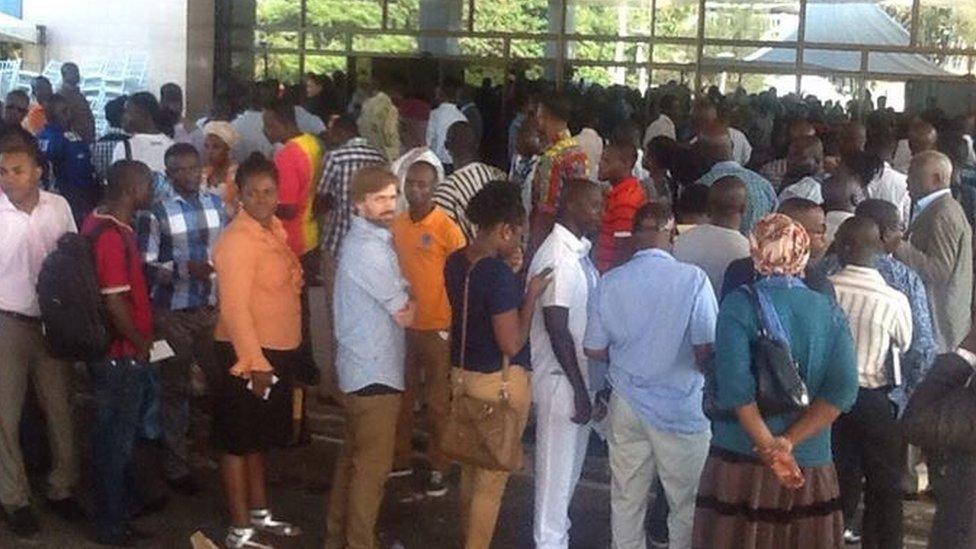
(440, 15)
(200, 39)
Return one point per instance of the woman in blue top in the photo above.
(769, 482)
(490, 325)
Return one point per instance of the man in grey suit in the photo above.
(939, 247)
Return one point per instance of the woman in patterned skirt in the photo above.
(769, 482)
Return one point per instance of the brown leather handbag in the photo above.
(477, 432)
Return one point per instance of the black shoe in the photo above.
(68, 509)
(185, 485)
(22, 522)
(151, 507)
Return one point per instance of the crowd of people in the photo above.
(616, 262)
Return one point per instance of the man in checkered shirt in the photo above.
(182, 232)
(348, 153)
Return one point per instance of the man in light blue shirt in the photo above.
(372, 308)
(714, 144)
(654, 319)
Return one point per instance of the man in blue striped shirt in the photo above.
(182, 232)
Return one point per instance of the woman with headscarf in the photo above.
(220, 169)
(770, 482)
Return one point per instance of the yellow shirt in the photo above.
(422, 248)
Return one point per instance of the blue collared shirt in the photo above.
(181, 229)
(650, 313)
(369, 290)
(760, 196)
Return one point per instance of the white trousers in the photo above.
(638, 454)
(560, 447)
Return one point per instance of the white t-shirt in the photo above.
(148, 148)
(441, 120)
(892, 186)
(711, 248)
(662, 126)
(573, 277)
(833, 221)
(807, 187)
(592, 144)
(25, 241)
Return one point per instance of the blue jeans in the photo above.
(122, 390)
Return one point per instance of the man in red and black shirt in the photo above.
(120, 379)
(624, 199)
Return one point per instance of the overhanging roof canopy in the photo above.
(17, 30)
(855, 23)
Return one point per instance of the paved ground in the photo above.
(299, 478)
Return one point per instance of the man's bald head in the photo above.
(929, 172)
(922, 137)
(859, 241)
(727, 202)
(714, 143)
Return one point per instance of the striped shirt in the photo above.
(460, 187)
(879, 316)
(339, 167)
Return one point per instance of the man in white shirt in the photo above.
(31, 222)
(841, 193)
(714, 245)
(663, 124)
(559, 377)
(249, 125)
(867, 438)
(146, 143)
(441, 120)
(705, 116)
(892, 186)
(804, 166)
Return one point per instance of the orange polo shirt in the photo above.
(259, 284)
(422, 248)
(622, 202)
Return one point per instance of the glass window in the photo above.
(597, 17)
(751, 20)
(364, 14)
(831, 60)
(675, 53)
(532, 49)
(324, 64)
(676, 18)
(514, 15)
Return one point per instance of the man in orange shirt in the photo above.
(36, 117)
(424, 237)
(623, 201)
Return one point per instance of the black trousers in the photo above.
(868, 444)
(307, 371)
(953, 479)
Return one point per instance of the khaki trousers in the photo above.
(481, 490)
(360, 476)
(22, 354)
(429, 353)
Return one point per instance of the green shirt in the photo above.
(821, 344)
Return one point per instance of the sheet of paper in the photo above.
(160, 351)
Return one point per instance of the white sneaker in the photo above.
(275, 527)
(850, 538)
(241, 538)
(401, 472)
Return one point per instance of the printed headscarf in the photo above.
(779, 246)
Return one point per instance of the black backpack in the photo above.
(75, 319)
